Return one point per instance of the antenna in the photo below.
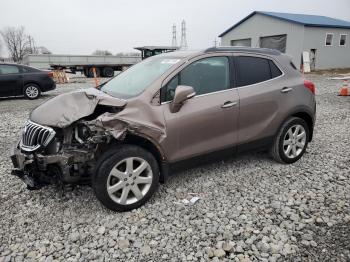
(183, 36)
(174, 42)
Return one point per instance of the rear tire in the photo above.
(32, 91)
(86, 72)
(291, 141)
(125, 177)
(108, 72)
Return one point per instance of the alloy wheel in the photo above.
(32, 91)
(294, 141)
(129, 180)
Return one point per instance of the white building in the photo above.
(325, 39)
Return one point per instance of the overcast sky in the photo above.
(81, 26)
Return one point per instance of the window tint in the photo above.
(329, 39)
(251, 70)
(205, 76)
(275, 72)
(8, 69)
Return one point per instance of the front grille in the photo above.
(35, 136)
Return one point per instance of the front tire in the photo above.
(291, 141)
(125, 177)
(32, 91)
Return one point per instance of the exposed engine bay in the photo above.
(68, 156)
(63, 147)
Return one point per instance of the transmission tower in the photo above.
(174, 42)
(183, 36)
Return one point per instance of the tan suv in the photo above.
(168, 110)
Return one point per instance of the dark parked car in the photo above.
(18, 80)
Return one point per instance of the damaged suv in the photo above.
(126, 136)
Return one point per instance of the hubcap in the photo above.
(32, 91)
(129, 180)
(294, 141)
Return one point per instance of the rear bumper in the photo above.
(48, 87)
(313, 122)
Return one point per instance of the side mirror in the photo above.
(182, 93)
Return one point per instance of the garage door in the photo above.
(278, 42)
(242, 42)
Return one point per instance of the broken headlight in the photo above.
(82, 132)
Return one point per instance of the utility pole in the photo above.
(174, 41)
(183, 36)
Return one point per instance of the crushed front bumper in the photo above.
(36, 170)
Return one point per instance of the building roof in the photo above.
(302, 19)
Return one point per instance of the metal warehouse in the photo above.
(320, 41)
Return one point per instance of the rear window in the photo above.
(27, 69)
(275, 72)
(251, 70)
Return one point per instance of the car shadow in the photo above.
(236, 159)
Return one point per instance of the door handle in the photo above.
(228, 104)
(286, 89)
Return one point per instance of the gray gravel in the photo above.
(250, 207)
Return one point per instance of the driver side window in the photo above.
(205, 76)
(169, 89)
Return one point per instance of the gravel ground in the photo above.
(250, 207)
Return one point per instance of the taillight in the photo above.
(309, 85)
(50, 74)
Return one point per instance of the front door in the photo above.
(10, 80)
(207, 122)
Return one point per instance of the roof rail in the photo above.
(242, 49)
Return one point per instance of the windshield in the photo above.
(137, 78)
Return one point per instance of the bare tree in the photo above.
(43, 50)
(101, 52)
(17, 42)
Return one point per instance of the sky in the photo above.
(82, 26)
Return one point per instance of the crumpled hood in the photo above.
(63, 110)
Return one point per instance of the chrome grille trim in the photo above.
(35, 136)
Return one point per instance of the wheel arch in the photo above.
(151, 146)
(31, 82)
(309, 121)
(306, 115)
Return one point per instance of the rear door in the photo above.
(259, 83)
(11, 81)
(208, 121)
